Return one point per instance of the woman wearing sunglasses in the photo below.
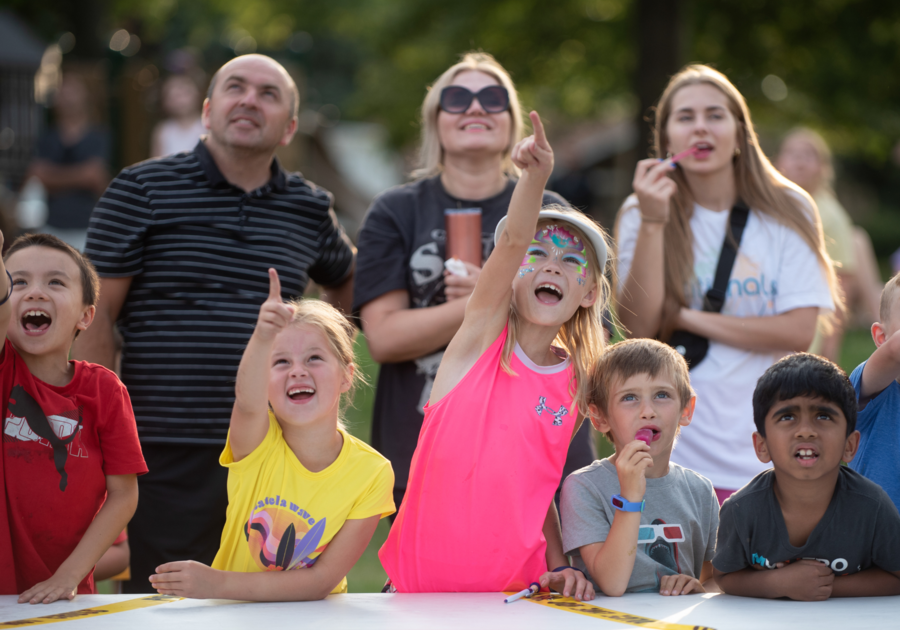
(410, 306)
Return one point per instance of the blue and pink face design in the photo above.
(555, 242)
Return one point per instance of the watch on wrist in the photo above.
(620, 503)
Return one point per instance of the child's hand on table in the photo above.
(806, 580)
(186, 578)
(569, 582)
(46, 592)
(679, 584)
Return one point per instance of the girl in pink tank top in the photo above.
(478, 513)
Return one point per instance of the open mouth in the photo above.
(301, 394)
(807, 456)
(548, 293)
(36, 321)
(647, 435)
(702, 150)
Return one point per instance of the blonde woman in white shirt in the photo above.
(669, 236)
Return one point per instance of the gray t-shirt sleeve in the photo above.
(730, 554)
(713, 528)
(584, 519)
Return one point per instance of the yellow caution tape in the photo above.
(131, 604)
(559, 602)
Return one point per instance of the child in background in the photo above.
(640, 397)
(70, 457)
(809, 528)
(478, 515)
(878, 396)
(302, 492)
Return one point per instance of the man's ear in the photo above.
(687, 414)
(289, 132)
(762, 450)
(204, 113)
(850, 447)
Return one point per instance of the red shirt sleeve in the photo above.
(119, 442)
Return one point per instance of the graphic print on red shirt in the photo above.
(59, 444)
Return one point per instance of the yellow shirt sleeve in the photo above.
(378, 498)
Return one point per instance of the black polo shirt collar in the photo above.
(216, 179)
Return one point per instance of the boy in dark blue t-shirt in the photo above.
(878, 395)
(808, 529)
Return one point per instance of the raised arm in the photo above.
(642, 291)
(488, 308)
(883, 367)
(250, 415)
(611, 562)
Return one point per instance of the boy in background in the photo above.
(878, 398)
(637, 500)
(809, 528)
(70, 456)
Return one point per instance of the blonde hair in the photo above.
(431, 153)
(628, 358)
(582, 336)
(823, 153)
(340, 335)
(757, 183)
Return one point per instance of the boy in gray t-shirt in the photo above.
(636, 522)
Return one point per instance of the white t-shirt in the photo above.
(775, 272)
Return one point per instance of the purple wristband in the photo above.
(563, 568)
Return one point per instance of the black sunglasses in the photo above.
(456, 99)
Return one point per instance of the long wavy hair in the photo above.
(582, 336)
(757, 182)
(431, 153)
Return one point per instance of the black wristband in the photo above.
(8, 295)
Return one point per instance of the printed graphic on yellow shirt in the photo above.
(282, 536)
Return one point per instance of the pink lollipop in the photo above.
(644, 435)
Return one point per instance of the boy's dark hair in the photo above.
(803, 374)
(90, 282)
(637, 356)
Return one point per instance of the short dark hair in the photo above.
(90, 281)
(803, 374)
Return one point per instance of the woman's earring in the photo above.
(668, 154)
(737, 151)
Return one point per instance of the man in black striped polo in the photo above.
(182, 245)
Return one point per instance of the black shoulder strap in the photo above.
(715, 297)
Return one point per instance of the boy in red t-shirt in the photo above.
(70, 456)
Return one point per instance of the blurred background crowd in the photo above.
(90, 86)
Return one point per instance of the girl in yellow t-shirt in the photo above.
(302, 492)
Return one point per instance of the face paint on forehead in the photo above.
(558, 237)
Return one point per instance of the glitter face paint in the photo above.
(555, 242)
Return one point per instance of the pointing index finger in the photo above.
(274, 285)
(540, 138)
